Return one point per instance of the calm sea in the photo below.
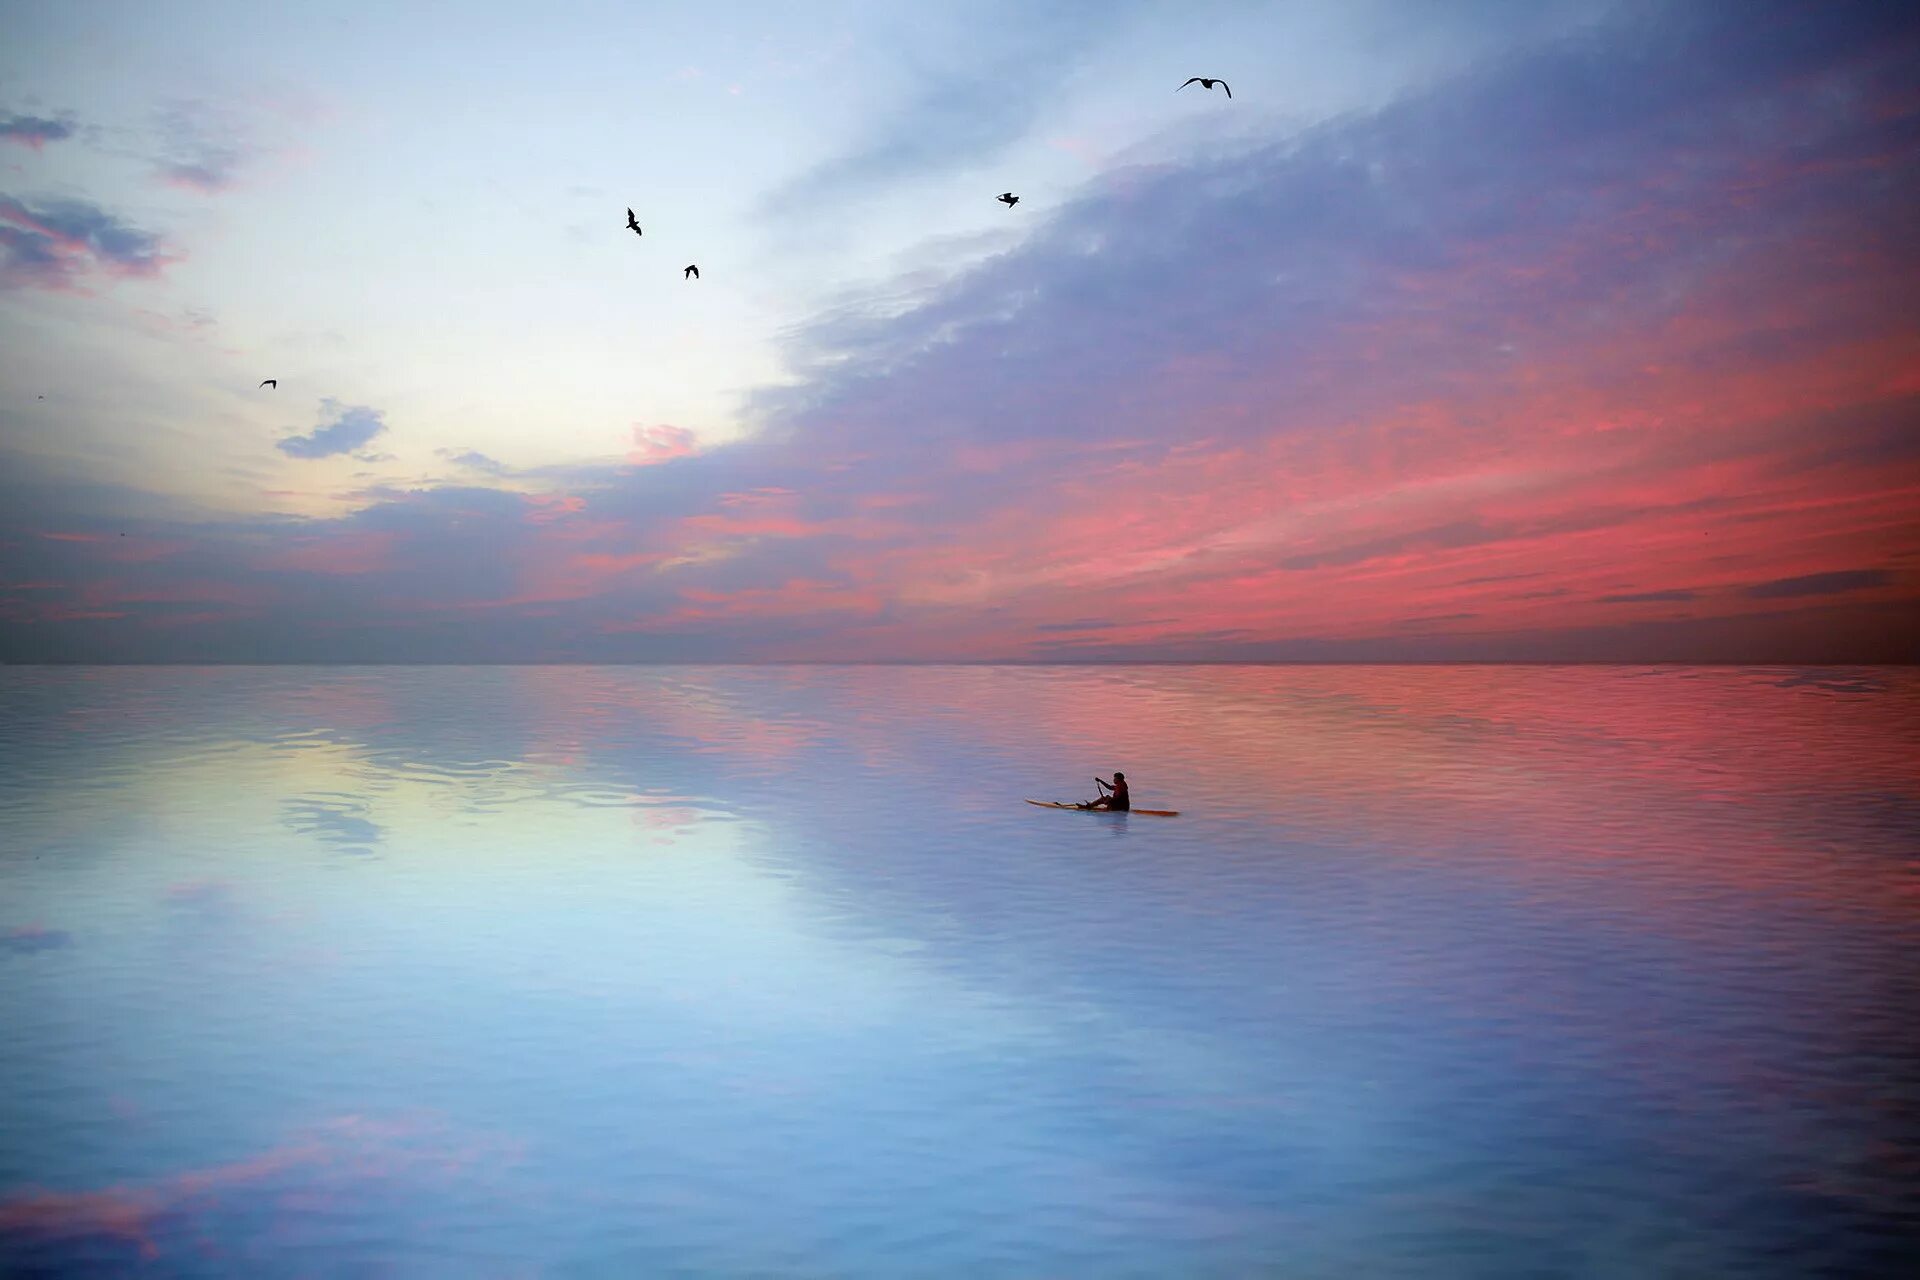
(612, 971)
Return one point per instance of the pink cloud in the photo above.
(888, 501)
(188, 591)
(55, 244)
(794, 598)
(1553, 402)
(34, 132)
(64, 613)
(763, 496)
(762, 526)
(770, 512)
(551, 507)
(654, 445)
(617, 564)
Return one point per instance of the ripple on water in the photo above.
(1467, 971)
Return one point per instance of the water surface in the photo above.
(1472, 971)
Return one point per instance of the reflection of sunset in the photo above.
(1527, 758)
(689, 939)
(516, 759)
(326, 1167)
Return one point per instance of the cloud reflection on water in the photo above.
(1469, 948)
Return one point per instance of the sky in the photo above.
(1485, 331)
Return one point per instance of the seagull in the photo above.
(1206, 83)
(1008, 199)
(632, 223)
(691, 273)
(271, 382)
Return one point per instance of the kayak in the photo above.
(1151, 813)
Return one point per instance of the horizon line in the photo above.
(1024, 662)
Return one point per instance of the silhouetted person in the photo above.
(1117, 799)
(1206, 83)
(633, 224)
(1008, 199)
(691, 273)
(271, 382)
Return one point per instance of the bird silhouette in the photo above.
(633, 224)
(691, 273)
(1008, 199)
(1206, 82)
(271, 382)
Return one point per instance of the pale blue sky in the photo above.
(418, 207)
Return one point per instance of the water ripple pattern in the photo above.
(576, 971)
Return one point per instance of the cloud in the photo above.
(472, 459)
(201, 146)
(966, 97)
(653, 445)
(1456, 533)
(1819, 584)
(341, 554)
(351, 428)
(1650, 597)
(57, 244)
(1084, 624)
(1335, 394)
(35, 131)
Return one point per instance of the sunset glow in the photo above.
(1588, 339)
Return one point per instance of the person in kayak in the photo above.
(1116, 799)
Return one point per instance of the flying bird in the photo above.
(1207, 83)
(633, 224)
(1008, 199)
(691, 273)
(271, 382)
